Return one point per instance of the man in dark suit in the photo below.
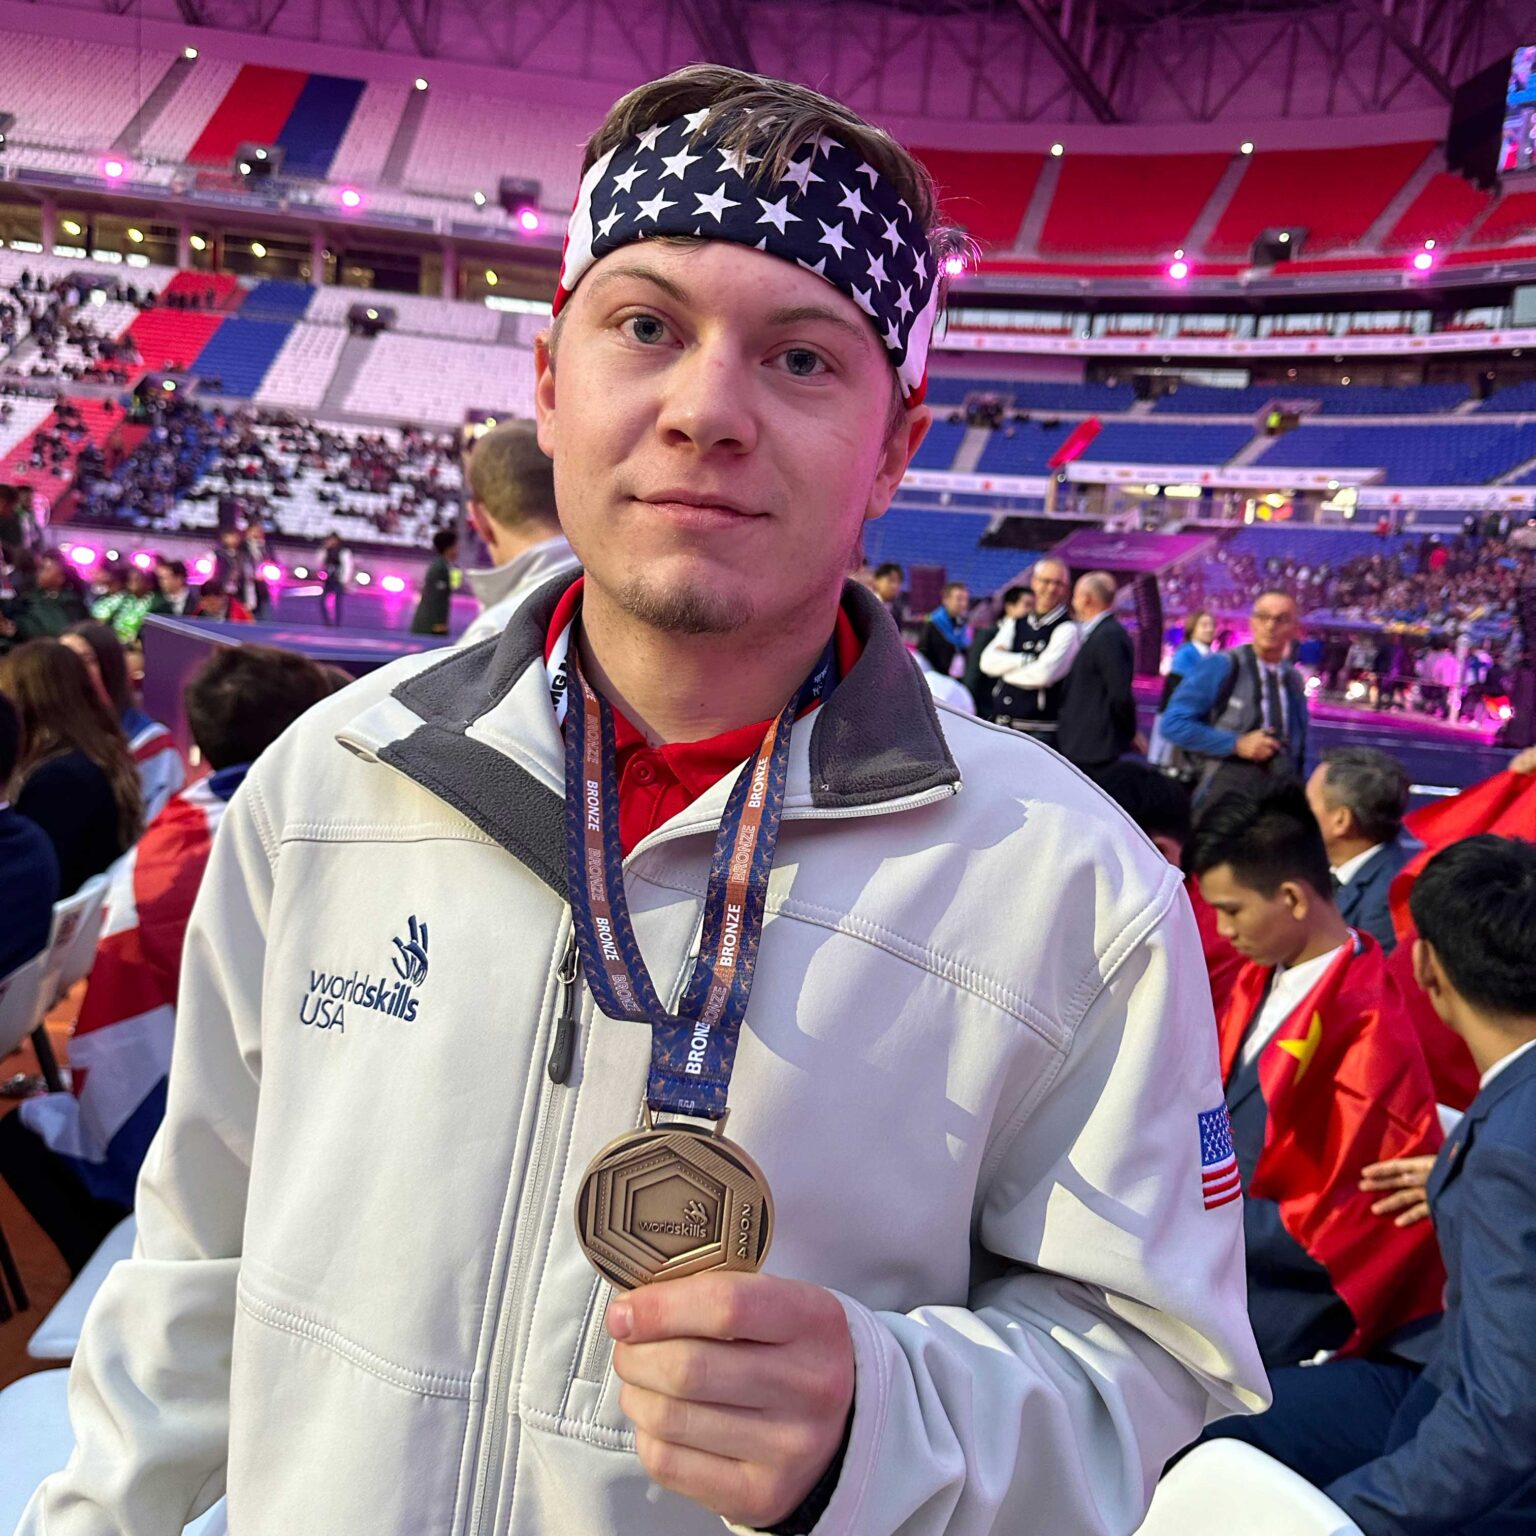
(1097, 723)
(1449, 1451)
(1359, 797)
(29, 868)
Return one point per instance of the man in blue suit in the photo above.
(1240, 718)
(1450, 1450)
(1359, 796)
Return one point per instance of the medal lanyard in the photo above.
(693, 1051)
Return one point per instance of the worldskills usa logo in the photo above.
(331, 993)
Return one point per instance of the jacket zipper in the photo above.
(511, 1319)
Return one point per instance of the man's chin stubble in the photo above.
(686, 610)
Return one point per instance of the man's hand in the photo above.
(1524, 762)
(739, 1388)
(1256, 747)
(1407, 1176)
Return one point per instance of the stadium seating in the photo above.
(1021, 450)
(1513, 218)
(27, 413)
(277, 299)
(253, 110)
(425, 379)
(986, 193)
(414, 314)
(173, 132)
(172, 338)
(1432, 453)
(365, 145)
(1128, 204)
(302, 371)
(1212, 400)
(1313, 546)
(929, 536)
(1513, 397)
(1334, 197)
(1443, 211)
(239, 353)
(87, 118)
(1374, 400)
(314, 129)
(939, 447)
(1147, 442)
(1032, 394)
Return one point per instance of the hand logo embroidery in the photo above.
(411, 962)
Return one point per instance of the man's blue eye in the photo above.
(801, 362)
(647, 328)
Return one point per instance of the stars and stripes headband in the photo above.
(831, 212)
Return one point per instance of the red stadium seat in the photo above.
(1441, 212)
(1513, 218)
(1128, 204)
(987, 193)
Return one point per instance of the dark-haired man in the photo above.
(887, 583)
(1359, 797)
(705, 785)
(174, 597)
(511, 505)
(72, 1158)
(1324, 1077)
(1017, 602)
(1449, 1451)
(438, 585)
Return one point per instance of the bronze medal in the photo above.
(667, 1201)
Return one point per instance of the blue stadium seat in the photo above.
(313, 132)
(240, 352)
(277, 298)
(918, 536)
(1032, 395)
(1023, 453)
(1210, 400)
(1515, 397)
(1148, 442)
(940, 446)
(1337, 399)
(1314, 546)
(1434, 453)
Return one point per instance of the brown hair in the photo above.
(511, 477)
(61, 711)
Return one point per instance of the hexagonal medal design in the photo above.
(662, 1203)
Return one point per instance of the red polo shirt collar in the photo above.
(657, 783)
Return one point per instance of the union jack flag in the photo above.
(1220, 1180)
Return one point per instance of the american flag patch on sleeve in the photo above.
(1220, 1180)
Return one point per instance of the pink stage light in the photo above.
(113, 170)
(393, 584)
(529, 221)
(204, 567)
(83, 555)
(143, 560)
(270, 571)
(1423, 261)
(954, 265)
(351, 198)
(1178, 270)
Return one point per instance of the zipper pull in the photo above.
(563, 1051)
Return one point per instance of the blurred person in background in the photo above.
(29, 868)
(335, 567)
(511, 505)
(1030, 656)
(125, 611)
(49, 598)
(887, 583)
(215, 601)
(72, 1158)
(1359, 797)
(76, 777)
(1097, 722)
(438, 585)
(174, 596)
(1017, 603)
(161, 770)
(1199, 640)
(946, 637)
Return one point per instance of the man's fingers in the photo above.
(739, 1434)
(1419, 1212)
(706, 1371)
(1401, 1201)
(722, 1305)
(745, 1494)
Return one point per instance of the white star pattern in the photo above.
(799, 172)
(860, 296)
(832, 234)
(820, 268)
(824, 145)
(866, 169)
(922, 268)
(893, 337)
(778, 213)
(853, 201)
(604, 225)
(655, 207)
(677, 165)
(877, 269)
(647, 140)
(626, 179)
(890, 236)
(903, 303)
(695, 119)
(715, 203)
(737, 161)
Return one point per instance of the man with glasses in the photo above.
(1241, 717)
(1030, 656)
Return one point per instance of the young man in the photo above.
(175, 596)
(993, 1297)
(1017, 601)
(946, 637)
(887, 583)
(437, 586)
(511, 505)
(334, 566)
(1029, 657)
(1241, 716)
(1359, 797)
(1324, 1077)
(72, 1158)
(1097, 722)
(1449, 1451)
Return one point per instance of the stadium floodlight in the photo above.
(189, 52)
(1423, 261)
(198, 243)
(479, 199)
(258, 249)
(271, 571)
(143, 560)
(71, 227)
(1178, 268)
(1284, 237)
(1246, 147)
(490, 278)
(112, 554)
(113, 170)
(528, 221)
(261, 154)
(421, 83)
(362, 579)
(1058, 150)
(203, 569)
(136, 235)
(1429, 245)
(301, 571)
(83, 555)
(392, 584)
(351, 198)
(245, 167)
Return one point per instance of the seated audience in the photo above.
(125, 610)
(1448, 1450)
(76, 778)
(946, 637)
(29, 868)
(1324, 1076)
(73, 1158)
(53, 599)
(161, 770)
(174, 596)
(1359, 797)
(216, 601)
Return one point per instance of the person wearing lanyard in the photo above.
(643, 1091)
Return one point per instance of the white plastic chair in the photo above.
(1230, 1488)
(35, 1431)
(76, 928)
(58, 1335)
(20, 1000)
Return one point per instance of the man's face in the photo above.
(957, 602)
(1049, 584)
(50, 575)
(1085, 601)
(170, 582)
(887, 586)
(1261, 928)
(140, 583)
(1275, 626)
(717, 420)
(231, 537)
(1022, 604)
(1333, 821)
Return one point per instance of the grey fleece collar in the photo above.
(876, 739)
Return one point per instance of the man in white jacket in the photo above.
(511, 505)
(986, 1105)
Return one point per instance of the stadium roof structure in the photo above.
(966, 61)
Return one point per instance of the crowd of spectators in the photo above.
(69, 344)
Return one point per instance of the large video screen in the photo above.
(1517, 151)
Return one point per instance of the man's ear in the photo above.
(544, 389)
(1430, 975)
(898, 452)
(1298, 897)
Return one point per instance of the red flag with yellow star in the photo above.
(1345, 1085)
